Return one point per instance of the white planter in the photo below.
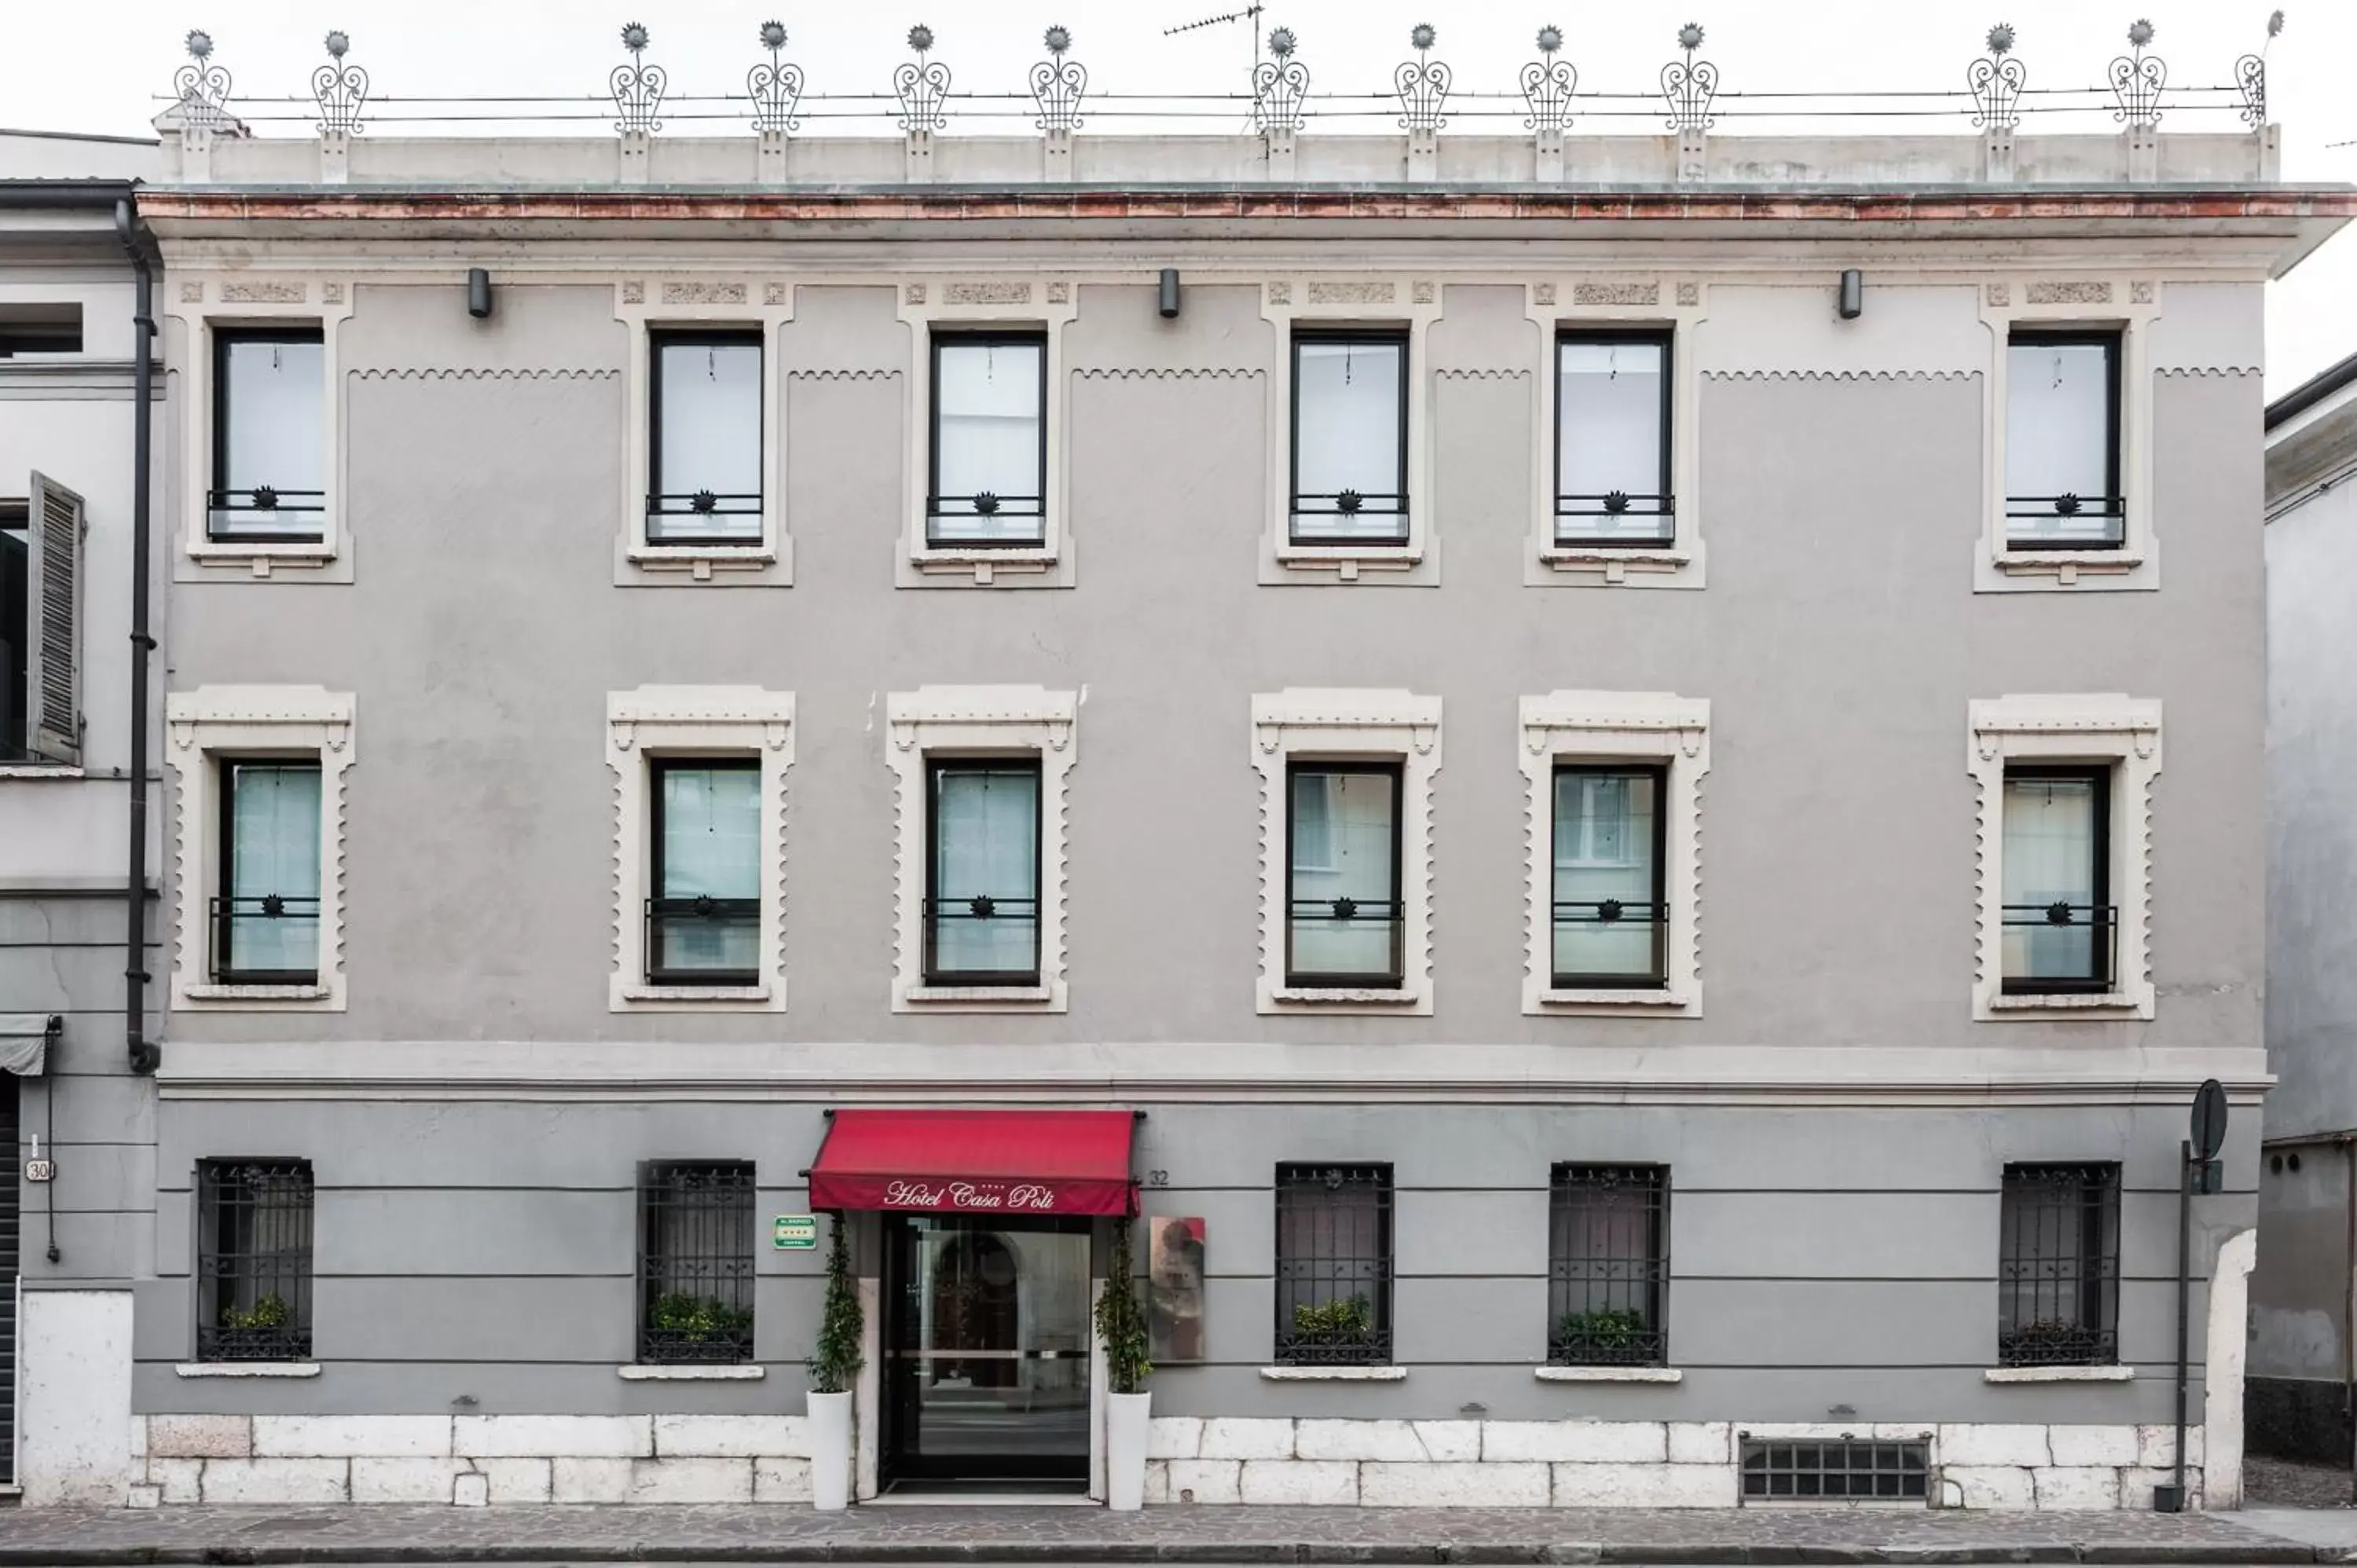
(1125, 1424)
(830, 1440)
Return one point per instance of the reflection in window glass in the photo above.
(989, 453)
(1350, 466)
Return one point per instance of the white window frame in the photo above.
(1393, 302)
(1039, 302)
(648, 305)
(2096, 728)
(204, 305)
(201, 727)
(2102, 304)
(1567, 304)
(978, 722)
(696, 721)
(1590, 729)
(1347, 724)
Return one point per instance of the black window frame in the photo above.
(1396, 976)
(1305, 1341)
(1580, 1331)
(1613, 910)
(986, 337)
(980, 907)
(1399, 338)
(218, 497)
(695, 1326)
(2084, 1278)
(222, 906)
(1835, 1469)
(228, 1258)
(2102, 919)
(661, 908)
(2112, 503)
(1666, 499)
(658, 340)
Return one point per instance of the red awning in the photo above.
(960, 1162)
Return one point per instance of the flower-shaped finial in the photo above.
(774, 35)
(2000, 39)
(635, 36)
(1281, 42)
(200, 43)
(1421, 36)
(339, 42)
(2139, 32)
(920, 37)
(1690, 36)
(1060, 38)
(1549, 38)
(2275, 23)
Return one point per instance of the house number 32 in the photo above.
(1157, 1179)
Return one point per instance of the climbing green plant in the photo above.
(1121, 1322)
(836, 1360)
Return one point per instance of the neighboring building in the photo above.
(2304, 1291)
(70, 1245)
(1640, 864)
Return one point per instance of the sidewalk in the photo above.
(356, 1534)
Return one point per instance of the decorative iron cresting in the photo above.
(200, 86)
(1058, 83)
(775, 84)
(1280, 86)
(341, 88)
(638, 87)
(2251, 76)
(1997, 82)
(1548, 84)
(2137, 79)
(922, 85)
(1422, 84)
(1690, 85)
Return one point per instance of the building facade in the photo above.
(2303, 1292)
(1620, 843)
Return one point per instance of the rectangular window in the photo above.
(1611, 919)
(253, 1260)
(703, 467)
(1344, 924)
(1333, 1265)
(989, 477)
(2059, 1266)
(1843, 1469)
(47, 327)
(704, 918)
(696, 1263)
(2060, 925)
(267, 916)
(981, 893)
(15, 630)
(1612, 439)
(1608, 1266)
(2063, 442)
(1349, 436)
(269, 435)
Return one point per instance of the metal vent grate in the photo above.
(1834, 1470)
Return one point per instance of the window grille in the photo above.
(269, 474)
(705, 416)
(2063, 442)
(1612, 440)
(696, 1263)
(987, 485)
(2059, 1266)
(1608, 1266)
(253, 1260)
(1837, 1470)
(1333, 1265)
(1350, 437)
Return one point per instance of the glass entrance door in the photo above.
(985, 1347)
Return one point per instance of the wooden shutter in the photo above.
(53, 713)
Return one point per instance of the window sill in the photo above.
(247, 1369)
(1345, 996)
(1614, 563)
(712, 993)
(985, 564)
(689, 1372)
(968, 995)
(209, 991)
(1608, 1374)
(2059, 1375)
(1347, 559)
(1617, 999)
(39, 770)
(702, 560)
(1334, 1374)
(260, 556)
(2067, 565)
(2062, 1001)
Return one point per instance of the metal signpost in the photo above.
(2198, 1171)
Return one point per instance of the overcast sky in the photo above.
(98, 66)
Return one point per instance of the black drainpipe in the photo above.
(144, 1053)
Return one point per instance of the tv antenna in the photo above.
(1249, 16)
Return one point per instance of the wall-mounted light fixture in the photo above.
(1853, 294)
(1169, 293)
(478, 291)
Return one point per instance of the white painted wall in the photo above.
(74, 1370)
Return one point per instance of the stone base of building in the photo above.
(479, 1461)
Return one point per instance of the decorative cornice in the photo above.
(842, 375)
(482, 373)
(1169, 373)
(1490, 373)
(1841, 375)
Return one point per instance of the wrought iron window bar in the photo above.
(1649, 518)
(1614, 914)
(1333, 1265)
(253, 1260)
(696, 1263)
(1350, 504)
(989, 908)
(2065, 522)
(228, 913)
(1840, 1469)
(2099, 921)
(1313, 913)
(1608, 1266)
(2059, 1276)
(239, 516)
(987, 507)
(670, 919)
(707, 508)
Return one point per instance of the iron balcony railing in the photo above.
(1608, 917)
(2058, 946)
(993, 914)
(2065, 522)
(985, 517)
(1345, 916)
(1616, 517)
(265, 512)
(687, 940)
(279, 919)
(1349, 506)
(704, 515)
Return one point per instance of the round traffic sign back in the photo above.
(2209, 1119)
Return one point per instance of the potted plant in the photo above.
(1121, 1323)
(835, 1364)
